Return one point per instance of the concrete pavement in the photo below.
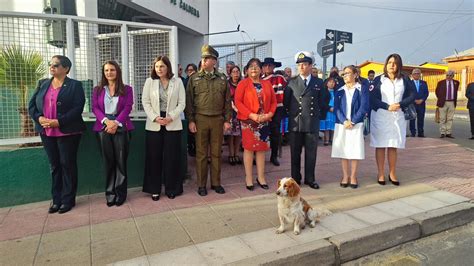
(93, 234)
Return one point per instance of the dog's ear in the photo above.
(279, 182)
(293, 188)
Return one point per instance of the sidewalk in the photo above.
(93, 234)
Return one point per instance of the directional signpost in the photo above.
(338, 38)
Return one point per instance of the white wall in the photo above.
(190, 48)
(168, 11)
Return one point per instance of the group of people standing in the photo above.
(248, 109)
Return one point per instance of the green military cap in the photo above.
(208, 51)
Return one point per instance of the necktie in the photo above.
(417, 86)
(450, 93)
(305, 83)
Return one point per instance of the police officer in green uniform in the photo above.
(208, 109)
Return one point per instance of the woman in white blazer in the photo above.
(163, 99)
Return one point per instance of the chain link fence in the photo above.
(28, 41)
(241, 53)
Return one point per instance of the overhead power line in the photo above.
(405, 9)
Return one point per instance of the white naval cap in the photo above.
(304, 56)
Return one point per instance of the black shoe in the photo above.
(382, 183)
(64, 208)
(119, 202)
(274, 161)
(155, 197)
(54, 208)
(442, 136)
(231, 160)
(110, 203)
(312, 185)
(202, 191)
(218, 189)
(250, 187)
(344, 184)
(171, 195)
(471, 137)
(264, 186)
(413, 135)
(449, 136)
(354, 185)
(421, 135)
(396, 183)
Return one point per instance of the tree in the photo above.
(20, 70)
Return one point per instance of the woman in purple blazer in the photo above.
(112, 103)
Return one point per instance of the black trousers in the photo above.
(162, 165)
(114, 149)
(420, 120)
(471, 118)
(275, 132)
(62, 157)
(309, 141)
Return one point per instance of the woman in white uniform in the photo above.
(390, 93)
(351, 104)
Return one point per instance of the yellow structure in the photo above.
(431, 72)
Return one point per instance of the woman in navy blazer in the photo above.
(389, 95)
(351, 104)
(56, 108)
(112, 103)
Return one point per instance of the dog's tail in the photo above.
(315, 214)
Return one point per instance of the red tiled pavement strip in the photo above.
(432, 161)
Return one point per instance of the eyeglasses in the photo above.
(346, 74)
(54, 65)
(449, 75)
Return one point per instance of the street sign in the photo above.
(328, 50)
(321, 43)
(343, 36)
(330, 34)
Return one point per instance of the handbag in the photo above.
(366, 125)
(409, 112)
(437, 115)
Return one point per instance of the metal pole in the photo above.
(334, 49)
(324, 67)
(125, 54)
(71, 46)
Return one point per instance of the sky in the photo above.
(420, 31)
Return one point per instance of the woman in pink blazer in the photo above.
(112, 103)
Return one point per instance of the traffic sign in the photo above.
(343, 36)
(328, 50)
(321, 43)
(330, 34)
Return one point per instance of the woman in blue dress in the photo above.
(327, 126)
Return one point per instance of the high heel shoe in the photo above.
(264, 186)
(382, 183)
(250, 187)
(354, 185)
(344, 184)
(396, 183)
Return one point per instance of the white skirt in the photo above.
(348, 143)
(387, 129)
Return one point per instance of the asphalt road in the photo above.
(461, 131)
(452, 247)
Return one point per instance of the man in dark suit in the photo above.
(305, 101)
(420, 103)
(470, 106)
(447, 94)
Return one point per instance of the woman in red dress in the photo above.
(256, 103)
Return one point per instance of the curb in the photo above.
(352, 245)
(462, 117)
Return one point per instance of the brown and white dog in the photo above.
(293, 209)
